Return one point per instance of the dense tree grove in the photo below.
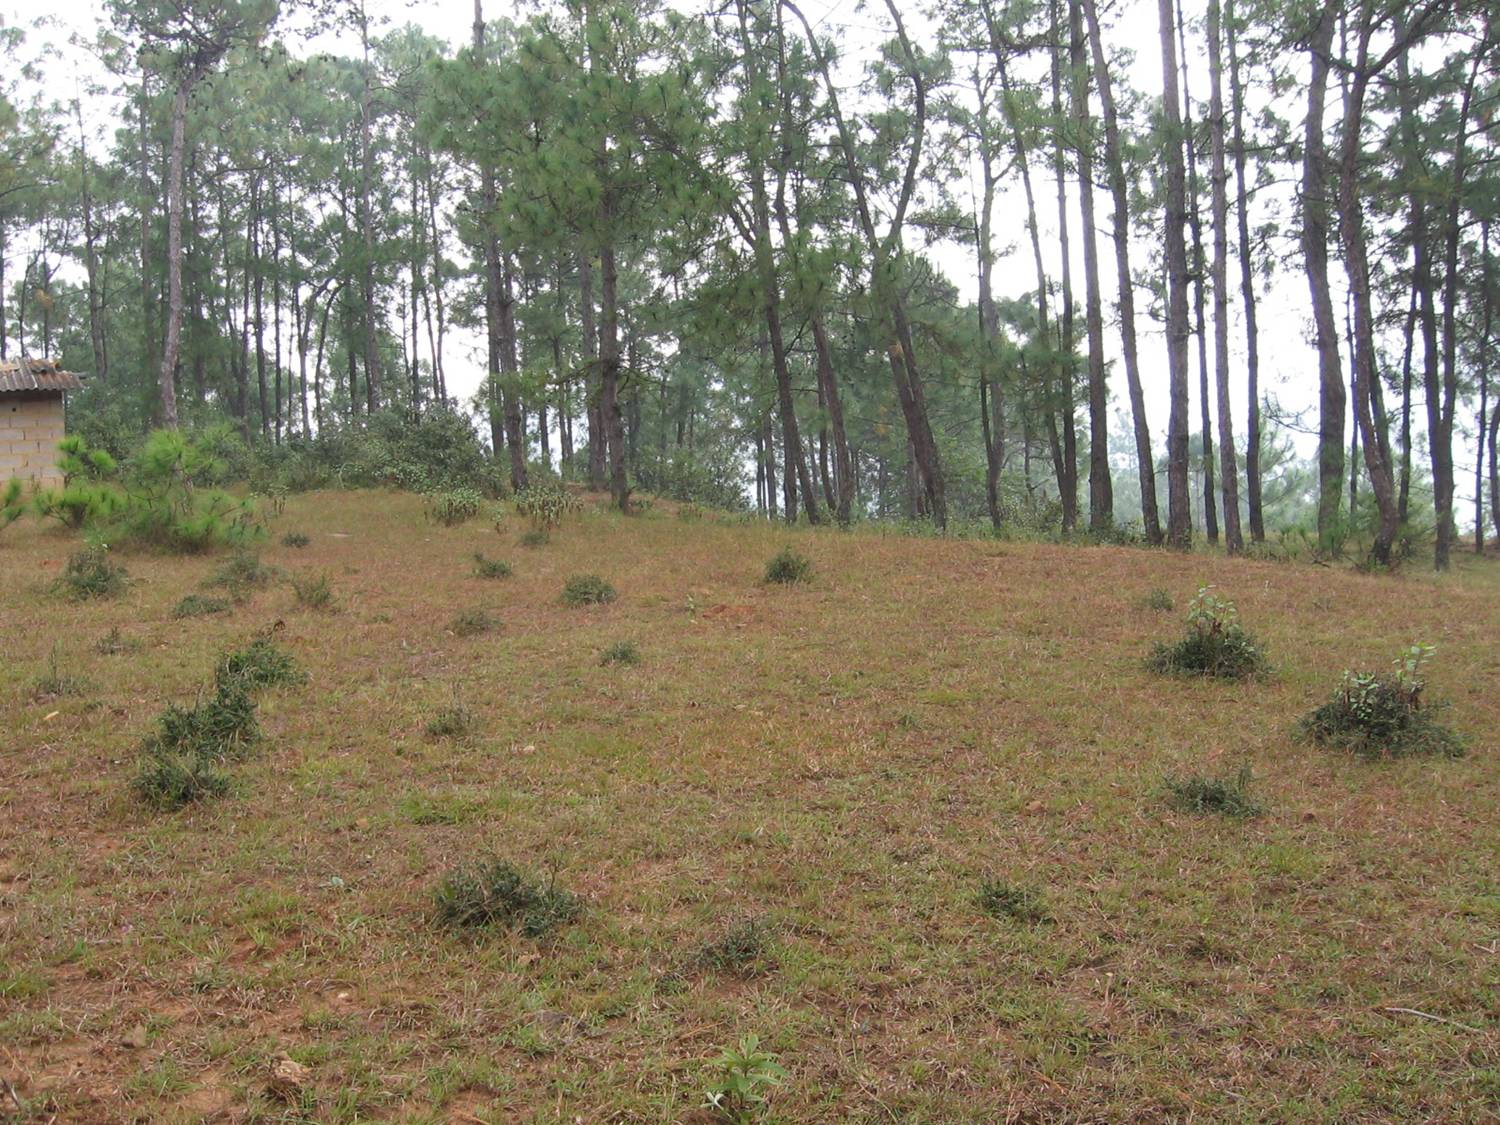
(710, 256)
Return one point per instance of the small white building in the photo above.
(31, 419)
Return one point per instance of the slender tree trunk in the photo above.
(367, 218)
(1331, 399)
(1219, 175)
(1101, 488)
(510, 393)
(1483, 426)
(1253, 489)
(1064, 451)
(167, 383)
(1179, 508)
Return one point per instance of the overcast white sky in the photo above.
(1288, 363)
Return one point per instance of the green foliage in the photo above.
(114, 642)
(295, 539)
(545, 505)
(91, 573)
(744, 1077)
(1159, 600)
(1227, 796)
(55, 682)
(1000, 899)
(314, 591)
(1383, 715)
(492, 892)
(1215, 645)
(787, 567)
(77, 459)
(11, 504)
(221, 727)
(169, 503)
(472, 622)
(197, 605)
(451, 722)
(168, 780)
(242, 573)
(490, 568)
(587, 589)
(713, 478)
(260, 664)
(79, 504)
(745, 947)
(621, 652)
(454, 507)
(535, 538)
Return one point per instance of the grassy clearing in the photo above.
(849, 759)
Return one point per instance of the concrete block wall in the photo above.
(30, 428)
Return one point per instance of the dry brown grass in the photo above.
(847, 758)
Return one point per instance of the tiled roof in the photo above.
(35, 375)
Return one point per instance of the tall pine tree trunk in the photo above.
(1253, 488)
(1219, 188)
(1179, 506)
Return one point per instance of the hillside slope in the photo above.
(843, 761)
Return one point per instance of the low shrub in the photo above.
(91, 573)
(242, 573)
(295, 539)
(490, 568)
(787, 567)
(545, 505)
(197, 605)
(169, 780)
(454, 506)
(260, 664)
(12, 506)
(745, 947)
(1000, 899)
(1215, 644)
(534, 538)
(621, 652)
(220, 728)
(115, 642)
(472, 622)
(451, 722)
(1158, 600)
(313, 591)
(1378, 716)
(587, 589)
(55, 683)
(1201, 794)
(494, 892)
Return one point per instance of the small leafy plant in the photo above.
(1377, 716)
(787, 567)
(12, 506)
(115, 642)
(242, 573)
(493, 892)
(587, 589)
(197, 605)
(454, 506)
(260, 664)
(1004, 900)
(91, 573)
(545, 505)
(744, 1077)
(55, 683)
(295, 539)
(490, 568)
(1158, 600)
(184, 760)
(621, 652)
(1201, 794)
(745, 947)
(453, 721)
(472, 622)
(169, 780)
(1215, 645)
(534, 538)
(314, 591)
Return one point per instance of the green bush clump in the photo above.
(494, 892)
(788, 568)
(1158, 600)
(472, 622)
(1215, 645)
(12, 506)
(534, 538)
(171, 503)
(621, 652)
(450, 722)
(1000, 899)
(314, 591)
(454, 506)
(242, 573)
(260, 664)
(490, 568)
(295, 539)
(1201, 794)
(587, 589)
(55, 682)
(169, 780)
(744, 1076)
(1378, 716)
(91, 573)
(545, 505)
(745, 947)
(196, 605)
